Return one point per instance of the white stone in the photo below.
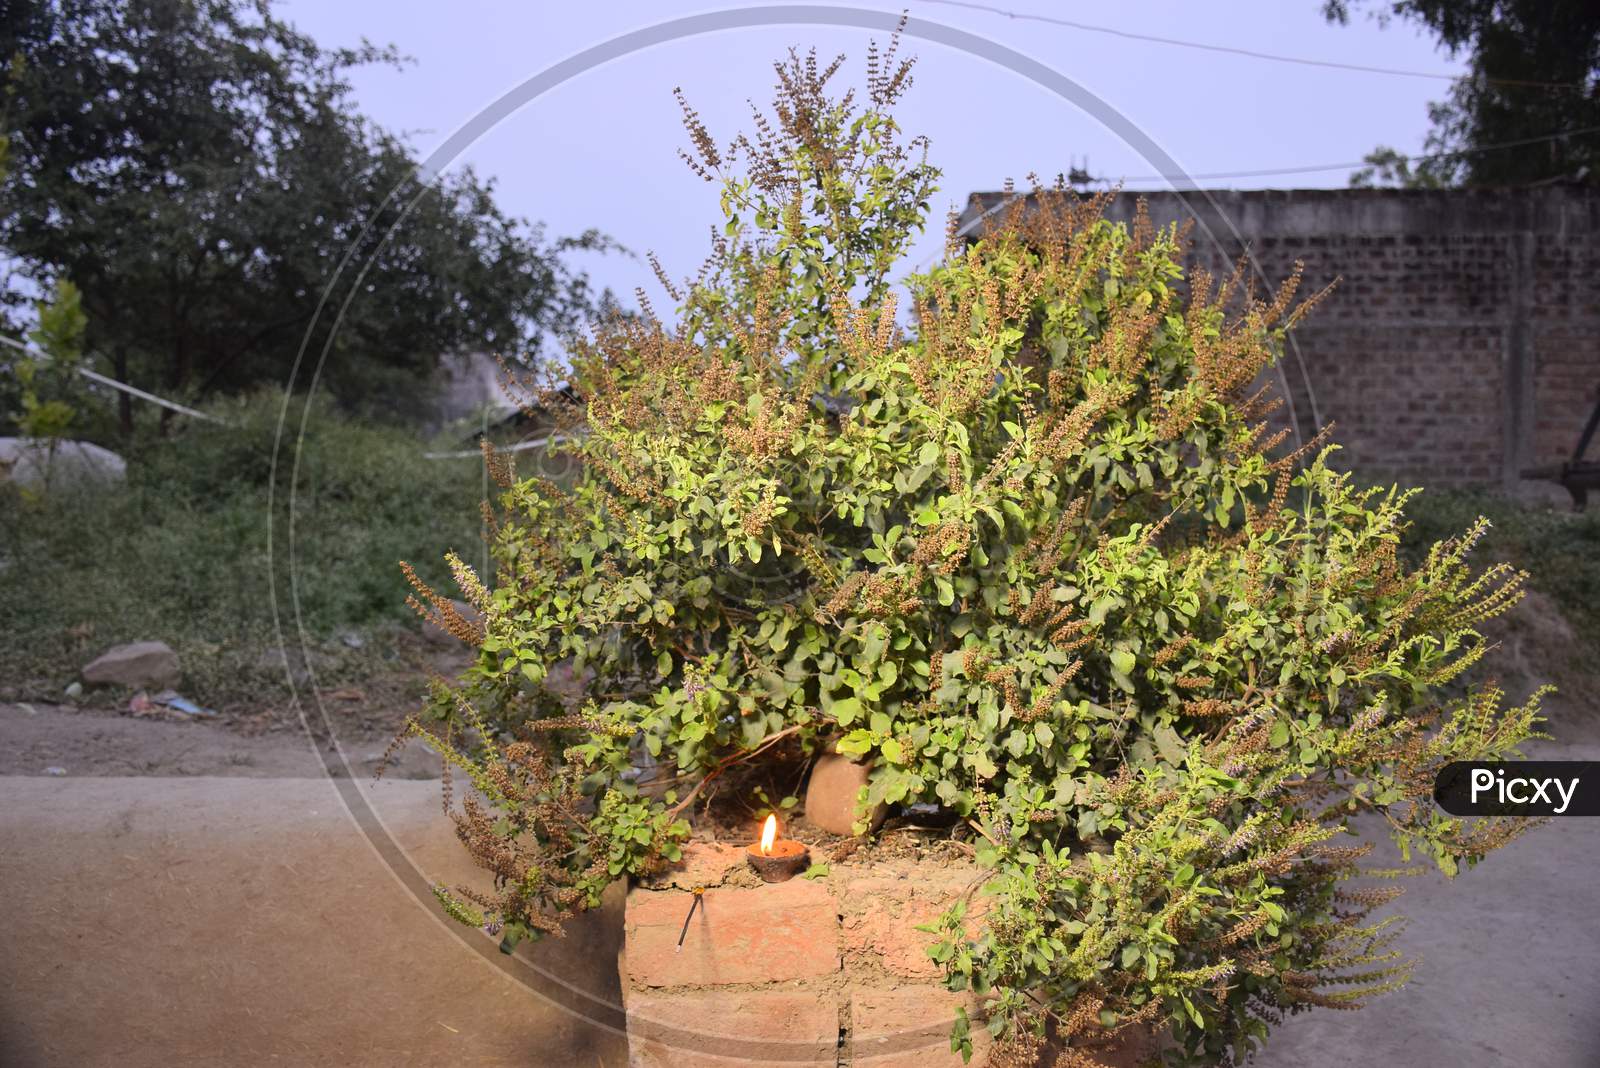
(32, 462)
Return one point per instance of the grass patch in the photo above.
(181, 552)
(1559, 548)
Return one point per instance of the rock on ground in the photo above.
(31, 462)
(137, 664)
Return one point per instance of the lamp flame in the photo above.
(769, 831)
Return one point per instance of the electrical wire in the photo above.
(1251, 53)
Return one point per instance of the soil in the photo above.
(120, 732)
(62, 740)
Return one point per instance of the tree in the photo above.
(45, 384)
(198, 170)
(1390, 167)
(39, 398)
(1535, 71)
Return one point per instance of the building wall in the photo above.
(1462, 342)
(466, 386)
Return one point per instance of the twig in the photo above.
(726, 764)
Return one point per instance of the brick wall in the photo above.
(814, 972)
(1462, 343)
(829, 972)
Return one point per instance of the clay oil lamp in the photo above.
(776, 859)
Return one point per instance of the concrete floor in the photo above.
(1509, 974)
(246, 921)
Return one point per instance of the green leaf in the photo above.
(1102, 605)
(856, 743)
(917, 476)
(1169, 745)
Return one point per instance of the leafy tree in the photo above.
(1037, 559)
(45, 385)
(1391, 167)
(40, 397)
(197, 168)
(1534, 71)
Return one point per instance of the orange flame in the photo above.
(769, 831)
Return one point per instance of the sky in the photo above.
(600, 150)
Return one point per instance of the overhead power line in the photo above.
(994, 209)
(1250, 53)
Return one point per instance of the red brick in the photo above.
(885, 913)
(773, 933)
(718, 1027)
(910, 1028)
(703, 864)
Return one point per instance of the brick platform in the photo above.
(823, 972)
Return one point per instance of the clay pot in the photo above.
(831, 793)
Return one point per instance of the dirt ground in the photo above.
(183, 892)
(246, 921)
(79, 743)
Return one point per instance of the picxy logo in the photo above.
(1519, 788)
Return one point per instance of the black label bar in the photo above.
(1519, 788)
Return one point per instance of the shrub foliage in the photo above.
(1039, 558)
